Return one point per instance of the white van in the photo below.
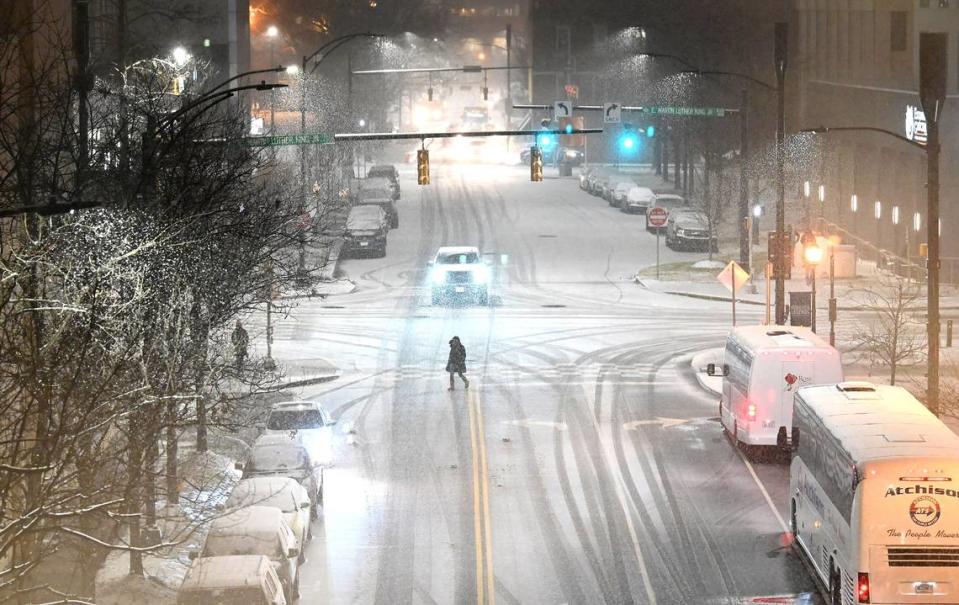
(873, 490)
(231, 580)
(762, 368)
(257, 530)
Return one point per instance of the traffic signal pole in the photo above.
(745, 249)
(779, 271)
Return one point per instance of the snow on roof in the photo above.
(875, 422)
(231, 571)
(778, 337)
(299, 404)
(278, 439)
(263, 488)
(457, 250)
(248, 521)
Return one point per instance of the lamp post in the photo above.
(833, 310)
(932, 94)
(813, 256)
(272, 32)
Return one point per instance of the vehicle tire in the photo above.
(296, 586)
(793, 527)
(383, 252)
(314, 510)
(835, 587)
(736, 440)
(309, 530)
(395, 222)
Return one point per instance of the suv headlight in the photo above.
(481, 274)
(680, 232)
(437, 275)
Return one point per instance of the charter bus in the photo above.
(874, 495)
(763, 366)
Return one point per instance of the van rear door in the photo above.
(795, 374)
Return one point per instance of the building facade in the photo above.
(857, 64)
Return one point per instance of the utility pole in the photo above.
(82, 15)
(932, 95)
(782, 43)
(745, 231)
(509, 96)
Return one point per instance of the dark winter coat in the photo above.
(457, 360)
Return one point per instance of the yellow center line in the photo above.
(482, 527)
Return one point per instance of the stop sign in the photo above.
(656, 217)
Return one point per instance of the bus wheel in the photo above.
(835, 587)
(792, 519)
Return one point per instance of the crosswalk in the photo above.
(562, 373)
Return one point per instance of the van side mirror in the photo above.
(305, 504)
(292, 552)
(193, 555)
(238, 466)
(713, 370)
(795, 438)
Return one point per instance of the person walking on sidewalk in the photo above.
(241, 341)
(457, 362)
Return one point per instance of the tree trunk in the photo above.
(134, 469)
(172, 447)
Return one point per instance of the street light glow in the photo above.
(822, 193)
(916, 221)
(854, 203)
(272, 31)
(895, 215)
(757, 210)
(180, 56)
(878, 208)
(805, 189)
(292, 69)
(813, 255)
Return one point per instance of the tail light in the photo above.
(751, 411)
(862, 587)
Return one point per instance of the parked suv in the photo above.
(689, 229)
(366, 229)
(670, 202)
(382, 197)
(280, 455)
(458, 273)
(388, 172)
(257, 530)
(246, 579)
(309, 422)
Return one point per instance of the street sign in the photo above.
(734, 278)
(612, 113)
(562, 109)
(318, 138)
(666, 110)
(733, 271)
(656, 217)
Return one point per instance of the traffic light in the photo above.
(545, 140)
(628, 141)
(422, 166)
(650, 131)
(535, 164)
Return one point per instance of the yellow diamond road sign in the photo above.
(729, 273)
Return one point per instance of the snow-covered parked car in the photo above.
(281, 455)
(459, 273)
(257, 530)
(366, 231)
(638, 199)
(282, 493)
(670, 202)
(231, 580)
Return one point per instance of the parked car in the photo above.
(282, 493)
(459, 273)
(600, 182)
(231, 580)
(689, 229)
(669, 202)
(257, 530)
(388, 172)
(383, 198)
(366, 230)
(308, 422)
(593, 180)
(619, 185)
(280, 455)
(638, 199)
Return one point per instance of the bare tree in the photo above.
(892, 335)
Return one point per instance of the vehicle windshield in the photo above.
(291, 420)
(242, 543)
(251, 595)
(278, 457)
(466, 258)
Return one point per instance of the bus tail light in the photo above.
(862, 587)
(751, 411)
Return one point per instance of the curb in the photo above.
(332, 261)
(305, 382)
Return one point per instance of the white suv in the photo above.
(458, 273)
(308, 423)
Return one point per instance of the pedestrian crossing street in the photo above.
(563, 373)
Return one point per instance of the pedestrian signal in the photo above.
(422, 166)
(535, 164)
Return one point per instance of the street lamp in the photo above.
(854, 203)
(180, 56)
(272, 32)
(813, 256)
(877, 212)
